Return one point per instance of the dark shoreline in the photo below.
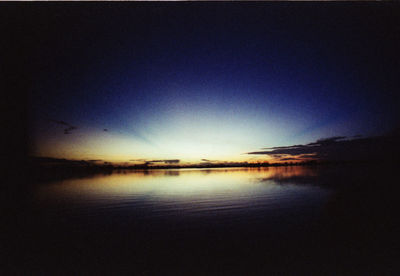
(67, 169)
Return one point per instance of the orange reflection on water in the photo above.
(172, 183)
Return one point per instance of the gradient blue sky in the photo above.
(209, 80)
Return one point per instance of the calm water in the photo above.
(209, 196)
(237, 221)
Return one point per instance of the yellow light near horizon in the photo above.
(187, 142)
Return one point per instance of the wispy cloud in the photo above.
(68, 126)
(290, 159)
(168, 161)
(165, 161)
(208, 160)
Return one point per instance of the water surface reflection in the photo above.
(223, 194)
(327, 220)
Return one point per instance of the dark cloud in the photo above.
(210, 161)
(290, 159)
(307, 155)
(277, 148)
(68, 128)
(105, 129)
(340, 148)
(149, 162)
(61, 122)
(327, 141)
(169, 161)
(298, 158)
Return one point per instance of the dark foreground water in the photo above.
(328, 220)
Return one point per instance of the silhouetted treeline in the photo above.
(45, 168)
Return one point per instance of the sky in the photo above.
(130, 82)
